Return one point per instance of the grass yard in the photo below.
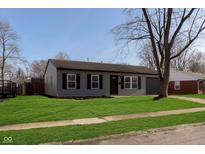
(194, 95)
(65, 133)
(25, 109)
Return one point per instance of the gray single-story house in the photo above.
(65, 78)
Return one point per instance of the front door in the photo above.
(114, 85)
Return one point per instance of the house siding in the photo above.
(201, 86)
(186, 87)
(137, 91)
(83, 91)
(50, 80)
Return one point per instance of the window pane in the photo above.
(71, 77)
(94, 84)
(127, 79)
(94, 78)
(71, 84)
(134, 79)
(127, 85)
(134, 85)
(177, 85)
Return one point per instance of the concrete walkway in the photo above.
(198, 100)
(96, 120)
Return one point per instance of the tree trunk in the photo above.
(163, 91)
(164, 81)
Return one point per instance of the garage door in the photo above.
(152, 86)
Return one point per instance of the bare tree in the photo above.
(8, 47)
(146, 57)
(197, 63)
(163, 28)
(181, 62)
(9, 71)
(189, 60)
(62, 56)
(38, 68)
(20, 76)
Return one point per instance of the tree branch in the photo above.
(152, 42)
(183, 19)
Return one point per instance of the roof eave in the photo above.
(60, 68)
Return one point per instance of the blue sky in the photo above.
(82, 33)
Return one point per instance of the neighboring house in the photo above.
(185, 82)
(78, 79)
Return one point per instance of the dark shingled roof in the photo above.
(105, 67)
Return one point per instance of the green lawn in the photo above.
(24, 109)
(195, 95)
(65, 133)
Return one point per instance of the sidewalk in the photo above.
(198, 100)
(96, 120)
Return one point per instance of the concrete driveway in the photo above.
(182, 134)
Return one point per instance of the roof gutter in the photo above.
(59, 68)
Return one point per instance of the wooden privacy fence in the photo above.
(7, 88)
(19, 89)
(34, 87)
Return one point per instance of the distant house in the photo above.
(185, 82)
(78, 79)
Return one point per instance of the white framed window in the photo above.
(131, 82)
(71, 81)
(95, 81)
(127, 82)
(177, 85)
(134, 82)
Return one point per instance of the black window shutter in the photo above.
(78, 81)
(122, 82)
(139, 82)
(64, 83)
(101, 81)
(88, 81)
